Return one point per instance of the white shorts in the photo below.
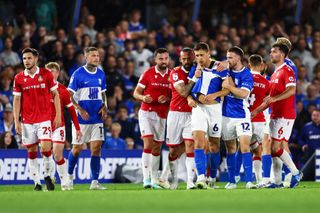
(59, 135)
(33, 133)
(151, 125)
(90, 132)
(207, 118)
(280, 129)
(178, 127)
(233, 128)
(257, 134)
(267, 117)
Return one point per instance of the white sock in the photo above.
(174, 170)
(257, 169)
(155, 162)
(62, 171)
(190, 168)
(287, 160)
(52, 168)
(146, 166)
(277, 170)
(34, 170)
(165, 172)
(47, 165)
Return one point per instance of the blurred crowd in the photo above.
(126, 50)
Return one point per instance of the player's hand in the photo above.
(17, 126)
(268, 100)
(162, 99)
(147, 99)
(103, 112)
(254, 113)
(210, 99)
(79, 135)
(198, 71)
(191, 102)
(57, 122)
(222, 65)
(84, 115)
(4, 99)
(201, 99)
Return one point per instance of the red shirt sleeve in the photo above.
(16, 86)
(143, 81)
(51, 82)
(289, 78)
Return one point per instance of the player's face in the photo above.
(93, 58)
(186, 59)
(29, 60)
(275, 55)
(315, 117)
(162, 61)
(55, 73)
(202, 57)
(233, 59)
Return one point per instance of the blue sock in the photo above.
(247, 165)
(231, 163)
(238, 163)
(200, 161)
(285, 168)
(214, 162)
(266, 165)
(95, 167)
(72, 162)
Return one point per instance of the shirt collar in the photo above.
(184, 70)
(157, 71)
(282, 65)
(32, 76)
(255, 72)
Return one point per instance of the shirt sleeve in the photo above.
(143, 81)
(53, 85)
(16, 87)
(247, 82)
(73, 85)
(289, 78)
(175, 78)
(192, 72)
(224, 74)
(65, 98)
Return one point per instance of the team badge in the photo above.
(175, 76)
(40, 79)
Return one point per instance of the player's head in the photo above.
(54, 68)
(161, 57)
(186, 58)
(92, 56)
(256, 63)
(202, 53)
(315, 116)
(285, 41)
(30, 57)
(234, 56)
(278, 53)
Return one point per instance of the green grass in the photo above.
(132, 198)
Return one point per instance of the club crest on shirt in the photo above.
(40, 78)
(175, 76)
(100, 82)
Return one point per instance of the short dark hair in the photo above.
(33, 51)
(255, 60)
(237, 50)
(90, 49)
(160, 51)
(283, 48)
(201, 46)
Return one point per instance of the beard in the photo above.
(187, 67)
(162, 66)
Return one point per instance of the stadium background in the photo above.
(60, 30)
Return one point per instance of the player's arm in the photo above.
(104, 109)
(238, 92)
(57, 106)
(16, 112)
(84, 115)
(138, 95)
(259, 109)
(290, 91)
(184, 89)
(208, 99)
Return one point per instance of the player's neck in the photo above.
(91, 67)
(279, 63)
(32, 71)
(238, 67)
(160, 70)
(207, 64)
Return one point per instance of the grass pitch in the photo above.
(127, 198)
